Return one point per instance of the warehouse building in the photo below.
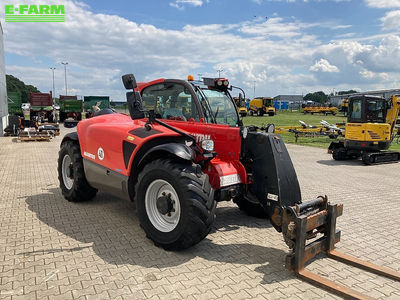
(288, 101)
(337, 99)
(3, 89)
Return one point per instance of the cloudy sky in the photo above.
(276, 46)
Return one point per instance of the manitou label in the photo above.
(200, 137)
(90, 155)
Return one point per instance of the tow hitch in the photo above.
(318, 218)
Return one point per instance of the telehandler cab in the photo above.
(369, 130)
(181, 150)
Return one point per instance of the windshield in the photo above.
(222, 107)
(376, 111)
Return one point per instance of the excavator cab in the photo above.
(367, 109)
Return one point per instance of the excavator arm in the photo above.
(393, 112)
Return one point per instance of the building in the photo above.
(288, 101)
(337, 99)
(3, 89)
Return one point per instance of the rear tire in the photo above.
(71, 174)
(190, 211)
(250, 208)
(271, 114)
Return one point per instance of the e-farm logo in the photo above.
(34, 13)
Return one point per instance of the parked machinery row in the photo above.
(43, 108)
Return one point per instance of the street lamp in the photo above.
(54, 90)
(219, 73)
(254, 89)
(65, 74)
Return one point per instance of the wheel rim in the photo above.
(162, 222)
(67, 172)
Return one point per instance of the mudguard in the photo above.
(72, 136)
(179, 150)
(274, 179)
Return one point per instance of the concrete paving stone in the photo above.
(97, 250)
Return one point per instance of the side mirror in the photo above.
(135, 105)
(129, 81)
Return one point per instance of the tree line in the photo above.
(16, 85)
(321, 97)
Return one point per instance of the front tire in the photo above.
(71, 174)
(175, 203)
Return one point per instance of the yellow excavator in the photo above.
(369, 130)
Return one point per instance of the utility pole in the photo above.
(65, 74)
(219, 72)
(254, 89)
(54, 90)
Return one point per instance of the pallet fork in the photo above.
(304, 222)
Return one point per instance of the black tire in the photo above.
(80, 190)
(196, 201)
(260, 113)
(250, 113)
(339, 153)
(250, 208)
(271, 114)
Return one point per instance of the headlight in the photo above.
(207, 145)
(270, 128)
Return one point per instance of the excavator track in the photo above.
(314, 219)
(370, 158)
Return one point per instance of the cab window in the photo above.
(222, 107)
(375, 111)
(355, 111)
(170, 101)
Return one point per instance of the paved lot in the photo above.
(50, 248)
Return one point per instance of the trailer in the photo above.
(41, 106)
(70, 107)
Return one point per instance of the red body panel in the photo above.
(109, 131)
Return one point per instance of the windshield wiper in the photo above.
(216, 113)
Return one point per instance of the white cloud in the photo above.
(179, 4)
(324, 66)
(391, 21)
(276, 54)
(383, 3)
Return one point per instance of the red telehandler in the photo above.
(182, 149)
